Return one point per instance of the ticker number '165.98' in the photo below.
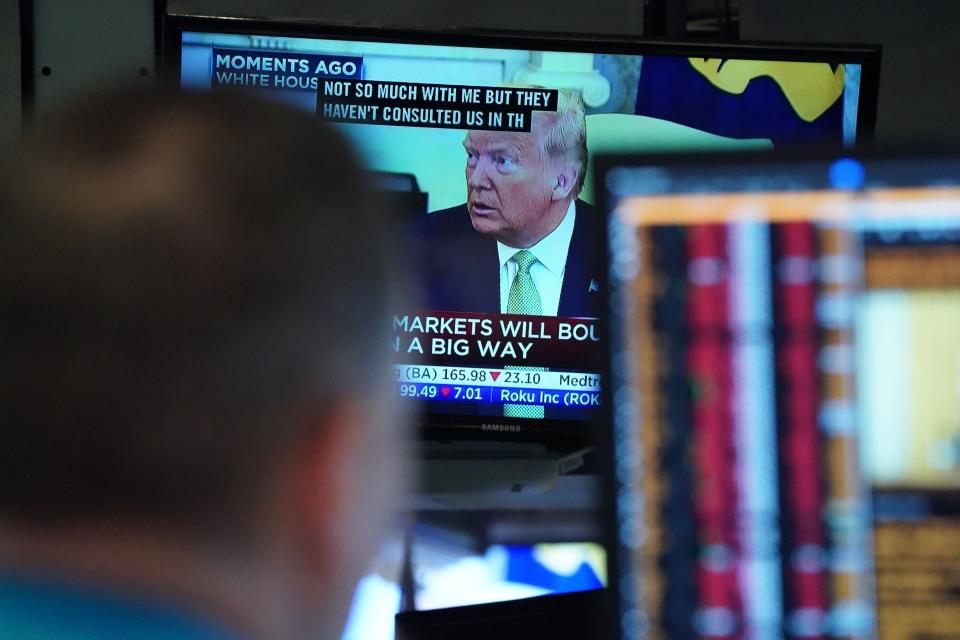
(463, 375)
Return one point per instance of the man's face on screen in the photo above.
(509, 190)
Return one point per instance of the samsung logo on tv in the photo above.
(502, 428)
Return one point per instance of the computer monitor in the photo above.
(786, 361)
(521, 114)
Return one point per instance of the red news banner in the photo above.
(445, 338)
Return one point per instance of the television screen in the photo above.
(485, 142)
(793, 328)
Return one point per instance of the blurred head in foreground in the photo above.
(195, 402)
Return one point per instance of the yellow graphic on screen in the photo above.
(933, 418)
(810, 87)
(565, 559)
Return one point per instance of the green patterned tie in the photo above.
(524, 299)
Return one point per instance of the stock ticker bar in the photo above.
(498, 386)
(486, 377)
(498, 395)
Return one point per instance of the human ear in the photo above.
(564, 180)
(352, 469)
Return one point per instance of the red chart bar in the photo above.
(710, 365)
(802, 499)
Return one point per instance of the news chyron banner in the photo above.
(343, 97)
(279, 71)
(431, 105)
(435, 345)
(483, 149)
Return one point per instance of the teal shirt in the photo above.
(38, 609)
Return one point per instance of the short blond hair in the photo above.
(566, 135)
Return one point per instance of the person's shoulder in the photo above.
(586, 208)
(460, 209)
(589, 219)
(449, 216)
(443, 221)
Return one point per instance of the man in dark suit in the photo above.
(522, 217)
(522, 243)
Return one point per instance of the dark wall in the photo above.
(9, 72)
(920, 77)
(599, 16)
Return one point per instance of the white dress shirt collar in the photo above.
(552, 250)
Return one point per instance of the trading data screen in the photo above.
(792, 331)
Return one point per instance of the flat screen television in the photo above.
(485, 140)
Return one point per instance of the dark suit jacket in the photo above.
(460, 270)
(461, 267)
